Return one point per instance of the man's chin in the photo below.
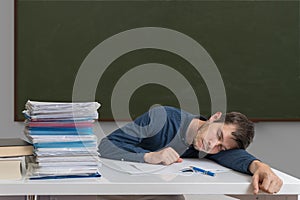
(201, 149)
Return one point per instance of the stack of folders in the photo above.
(65, 145)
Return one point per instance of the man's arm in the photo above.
(113, 148)
(124, 143)
(240, 160)
(236, 159)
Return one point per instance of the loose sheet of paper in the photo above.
(175, 168)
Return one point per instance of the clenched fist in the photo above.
(165, 156)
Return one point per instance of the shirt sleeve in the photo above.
(124, 143)
(114, 149)
(236, 159)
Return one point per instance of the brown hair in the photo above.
(244, 133)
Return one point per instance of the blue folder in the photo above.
(75, 144)
(93, 175)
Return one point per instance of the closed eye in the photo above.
(221, 138)
(220, 135)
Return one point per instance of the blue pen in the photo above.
(203, 171)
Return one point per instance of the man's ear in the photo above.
(215, 117)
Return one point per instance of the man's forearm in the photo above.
(237, 159)
(108, 149)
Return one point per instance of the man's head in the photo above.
(223, 132)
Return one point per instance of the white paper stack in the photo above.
(65, 145)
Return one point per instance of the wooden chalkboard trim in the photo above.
(275, 120)
(15, 61)
(253, 120)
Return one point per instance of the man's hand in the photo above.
(165, 156)
(264, 178)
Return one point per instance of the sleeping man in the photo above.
(164, 135)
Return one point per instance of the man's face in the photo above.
(215, 137)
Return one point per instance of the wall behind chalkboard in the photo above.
(255, 45)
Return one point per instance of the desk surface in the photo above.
(114, 182)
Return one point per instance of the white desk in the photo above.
(117, 183)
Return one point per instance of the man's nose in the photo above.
(213, 147)
(213, 144)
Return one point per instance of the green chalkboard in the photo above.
(254, 44)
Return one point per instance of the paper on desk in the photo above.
(131, 167)
(144, 168)
(201, 163)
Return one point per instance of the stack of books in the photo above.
(65, 145)
(13, 153)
